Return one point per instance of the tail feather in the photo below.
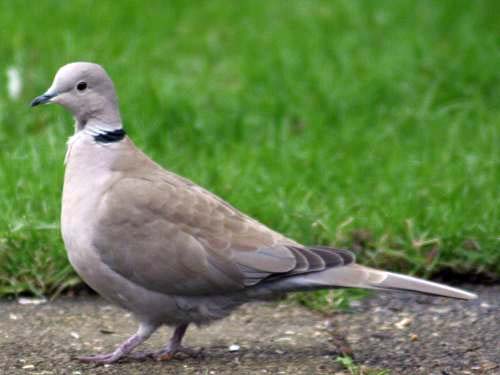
(357, 276)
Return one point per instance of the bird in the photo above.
(167, 250)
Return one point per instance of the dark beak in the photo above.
(42, 99)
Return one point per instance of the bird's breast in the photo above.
(86, 179)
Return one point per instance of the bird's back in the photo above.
(158, 229)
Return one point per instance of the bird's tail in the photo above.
(357, 276)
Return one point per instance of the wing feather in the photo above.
(169, 235)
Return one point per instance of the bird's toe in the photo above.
(169, 354)
(99, 358)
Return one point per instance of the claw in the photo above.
(166, 354)
(99, 359)
(125, 349)
(169, 354)
(144, 331)
(165, 357)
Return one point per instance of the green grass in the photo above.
(348, 364)
(351, 123)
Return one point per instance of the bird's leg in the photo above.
(145, 330)
(173, 347)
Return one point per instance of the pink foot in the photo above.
(99, 358)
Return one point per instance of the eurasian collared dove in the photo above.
(166, 249)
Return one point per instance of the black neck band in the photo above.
(110, 136)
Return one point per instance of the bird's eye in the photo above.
(81, 86)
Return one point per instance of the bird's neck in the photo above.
(103, 132)
(96, 143)
(102, 113)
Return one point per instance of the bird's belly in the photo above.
(84, 258)
(145, 304)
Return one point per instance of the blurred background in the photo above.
(369, 125)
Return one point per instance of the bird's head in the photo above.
(86, 90)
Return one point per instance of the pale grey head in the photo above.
(86, 90)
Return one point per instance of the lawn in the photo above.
(370, 125)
